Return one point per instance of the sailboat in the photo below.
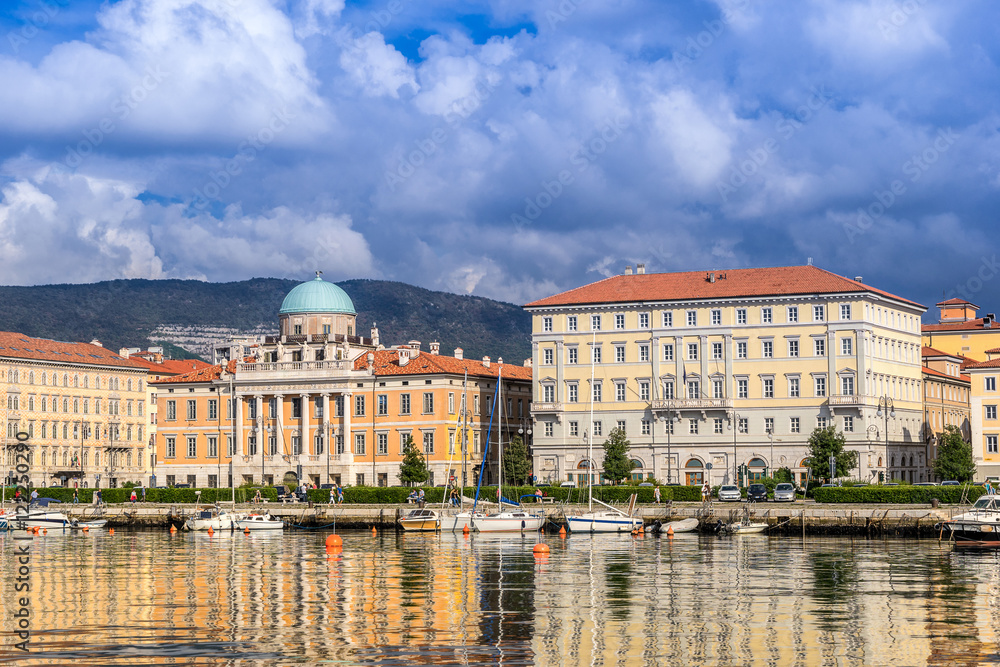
(610, 520)
(516, 519)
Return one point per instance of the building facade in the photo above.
(985, 424)
(946, 399)
(960, 332)
(319, 405)
(723, 376)
(83, 407)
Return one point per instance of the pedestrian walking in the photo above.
(76, 498)
(340, 495)
(133, 497)
(100, 498)
(706, 492)
(656, 494)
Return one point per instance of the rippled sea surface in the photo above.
(152, 598)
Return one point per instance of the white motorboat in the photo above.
(39, 515)
(256, 521)
(76, 524)
(214, 518)
(420, 520)
(980, 523)
(747, 528)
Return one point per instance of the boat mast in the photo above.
(486, 449)
(590, 432)
(465, 436)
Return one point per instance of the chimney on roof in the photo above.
(527, 363)
(486, 362)
(435, 347)
(711, 276)
(500, 360)
(858, 279)
(371, 362)
(122, 351)
(96, 342)
(640, 269)
(458, 352)
(375, 334)
(809, 261)
(628, 270)
(404, 356)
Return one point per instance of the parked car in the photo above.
(784, 492)
(729, 493)
(925, 484)
(647, 484)
(757, 493)
(568, 484)
(823, 486)
(950, 482)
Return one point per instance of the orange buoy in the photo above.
(333, 541)
(86, 529)
(246, 531)
(210, 531)
(112, 531)
(373, 530)
(670, 531)
(541, 548)
(173, 528)
(465, 529)
(562, 531)
(45, 531)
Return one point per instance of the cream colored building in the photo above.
(985, 401)
(83, 407)
(719, 374)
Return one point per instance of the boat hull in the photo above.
(260, 523)
(602, 522)
(424, 520)
(219, 522)
(747, 528)
(971, 530)
(508, 522)
(39, 520)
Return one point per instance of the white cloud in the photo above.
(377, 67)
(698, 143)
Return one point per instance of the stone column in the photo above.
(306, 449)
(560, 390)
(680, 391)
(279, 400)
(703, 358)
(348, 455)
(238, 444)
(326, 425)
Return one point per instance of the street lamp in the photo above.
(770, 437)
(734, 425)
(525, 432)
(886, 409)
(872, 428)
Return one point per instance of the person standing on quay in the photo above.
(706, 492)
(656, 494)
(133, 497)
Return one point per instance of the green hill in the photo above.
(124, 313)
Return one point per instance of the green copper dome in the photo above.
(317, 296)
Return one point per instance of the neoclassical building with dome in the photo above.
(319, 404)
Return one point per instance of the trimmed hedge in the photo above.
(895, 494)
(165, 496)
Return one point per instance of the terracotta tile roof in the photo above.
(206, 373)
(961, 326)
(777, 281)
(992, 363)
(18, 346)
(995, 350)
(931, 371)
(170, 366)
(927, 351)
(955, 301)
(387, 363)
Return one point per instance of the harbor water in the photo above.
(154, 598)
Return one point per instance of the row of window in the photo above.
(79, 431)
(716, 351)
(74, 460)
(693, 389)
(947, 392)
(792, 313)
(719, 426)
(295, 445)
(43, 378)
(14, 402)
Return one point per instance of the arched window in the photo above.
(86, 382)
(97, 382)
(43, 377)
(140, 385)
(13, 376)
(65, 458)
(694, 463)
(757, 463)
(76, 381)
(130, 384)
(893, 460)
(880, 462)
(31, 377)
(76, 405)
(637, 463)
(128, 459)
(911, 460)
(44, 455)
(583, 464)
(128, 435)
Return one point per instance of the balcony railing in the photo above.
(694, 404)
(546, 407)
(846, 399)
(264, 370)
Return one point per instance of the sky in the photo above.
(511, 149)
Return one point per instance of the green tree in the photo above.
(516, 464)
(824, 443)
(954, 459)
(617, 464)
(413, 467)
(783, 475)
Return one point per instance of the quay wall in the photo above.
(789, 519)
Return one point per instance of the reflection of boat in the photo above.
(260, 522)
(679, 526)
(214, 518)
(76, 524)
(979, 524)
(39, 516)
(420, 519)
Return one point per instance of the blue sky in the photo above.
(510, 149)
